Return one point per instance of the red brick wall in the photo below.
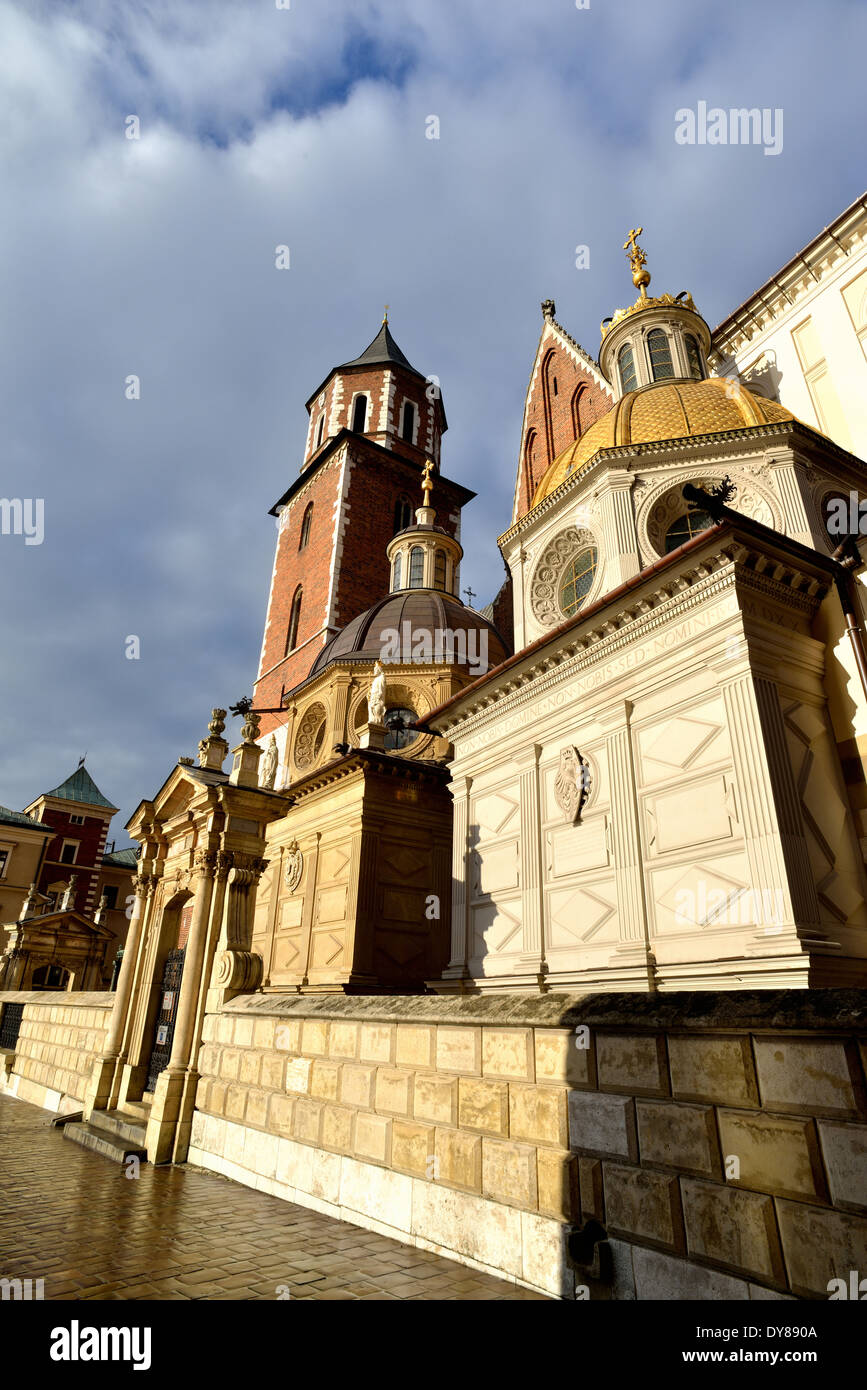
(88, 866)
(565, 399)
(370, 382)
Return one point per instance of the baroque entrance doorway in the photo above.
(164, 1030)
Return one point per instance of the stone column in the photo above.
(168, 1095)
(532, 959)
(461, 867)
(769, 809)
(109, 1062)
(632, 964)
(798, 505)
(618, 524)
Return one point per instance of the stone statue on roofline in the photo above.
(376, 697)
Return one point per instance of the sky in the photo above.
(306, 125)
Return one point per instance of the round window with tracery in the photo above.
(576, 580)
(310, 736)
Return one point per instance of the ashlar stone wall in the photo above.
(59, 1038)
(718, 1140)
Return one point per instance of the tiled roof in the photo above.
(8, 817)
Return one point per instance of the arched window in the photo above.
(397, 722)
(440, 570)
(660, 355)
(576, 410)
(359, 414)
(693, 357)
(576, 580)
(402, 513)
(51, 977)
(685, 527)
(320, 429)
(626, 363)
(416, 567)
(395, 573)
(408, 426)
(555, 385)
(305, 526)
(294, 619)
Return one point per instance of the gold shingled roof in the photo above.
(670, 410)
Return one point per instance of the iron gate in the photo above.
(170, 990)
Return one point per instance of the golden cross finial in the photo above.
(426, 482)
(638, 260)
(385, 315)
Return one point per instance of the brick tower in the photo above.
(373, 423)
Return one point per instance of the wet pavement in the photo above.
(74, 1219)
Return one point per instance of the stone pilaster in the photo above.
(632, 963)
(618, 526)
(532, 883)
(462, 851)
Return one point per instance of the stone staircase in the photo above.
(116, 1134)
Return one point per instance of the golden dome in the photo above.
(665, 410)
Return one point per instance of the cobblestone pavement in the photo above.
(74, 1219)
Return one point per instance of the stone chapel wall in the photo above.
(59, 1038)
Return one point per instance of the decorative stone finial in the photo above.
(68, 901)
(250, 727)
(213, 749)
(549, 308)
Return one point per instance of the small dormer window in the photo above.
(407, 429)
(359, 414)
(626, 363)
(660, 355)
(693, 357)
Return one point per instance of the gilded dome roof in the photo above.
(665, 410)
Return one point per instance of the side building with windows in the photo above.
(802, 336)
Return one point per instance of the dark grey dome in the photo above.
(427, 609)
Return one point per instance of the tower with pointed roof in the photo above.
(373, 423)
(80, 816)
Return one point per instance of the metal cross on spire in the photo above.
(470, 595)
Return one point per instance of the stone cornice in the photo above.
(613, 629)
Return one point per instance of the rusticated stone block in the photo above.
(372, 1137)
(663, 1278)
(508, 1053)
(415, 1046)
(509, 1173)
(773, 1154)
(483, 1105)
(412, 1149)
(678, 1136)
(225, 1029)
(643, 1204)
(230, 1062)
(538, 1114)
(236, 1102)
(820, 1245)
(257, 1108)
(602, 1125)
(435, 1098)
(314, 1037)
(458, 1159)
(251, 1063)
(459, 1050)
(263, 1032)
(273, 1073)
(590, 1183)
(209, 1028)
(631, 1062)
(845, 1151)
(356, 1086)
(562, 1059)
(280, 1114)
(337, 1128)
(287, 1035)
(377, 1042)
(818, 1077)
(307, 1120)
(713, 1069)
(325, 1079)
(217, 1097)
(393, 1093)
(557, 1175)
(298, 1071)
(733, 1228)
(344, 1040)
(243, 1032)
(203, 1093)
(208, 1061)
